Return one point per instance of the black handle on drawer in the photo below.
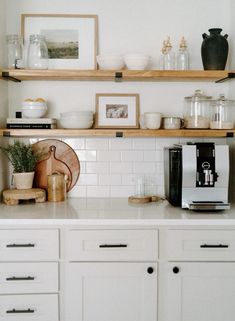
(21, 245)
(214, 246)
(20, 311)
(23, 278)
(112, 245)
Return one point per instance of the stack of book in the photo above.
(31, 123)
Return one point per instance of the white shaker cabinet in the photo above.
(111, 275)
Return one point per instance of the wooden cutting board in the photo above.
(63, 159)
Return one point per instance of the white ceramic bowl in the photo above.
(75, 123)
(34, 109)
(110, 62)
(77, 114)
(136, 61)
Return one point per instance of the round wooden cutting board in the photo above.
(66, 158)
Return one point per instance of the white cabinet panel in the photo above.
(201, 245)
(28, 277)
(111, 292)
(29, 307)
(29, 245)
(199, 291)
(113, 245)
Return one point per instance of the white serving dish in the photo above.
(78, 114)
(136, 61)
(34, 109)
(110, 61)
(75, 123)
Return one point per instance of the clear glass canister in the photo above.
(222, 113)
(197, 111)
(15, 51)
(37, 52)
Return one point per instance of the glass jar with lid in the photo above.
(37, 52)
(14, 51)
(197, 111)
(222, 113)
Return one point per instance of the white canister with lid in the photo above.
(197, 110)
(222, 113)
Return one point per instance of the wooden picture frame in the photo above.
(117, 111)
(72, 39)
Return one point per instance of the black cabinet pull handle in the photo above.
(112, 245)
(150, 270)
(21, 245)
(214, 246)
(175, 269)
(20, 311)
(26, 278)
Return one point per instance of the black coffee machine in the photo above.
(197, 176)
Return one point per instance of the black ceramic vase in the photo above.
(214, 50)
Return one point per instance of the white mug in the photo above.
(152, 120)
(173, 123)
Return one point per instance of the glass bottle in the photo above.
(14, 51)
(169, 56)
(161, 60)
(37, 52)
(182, 60)
(222, 113)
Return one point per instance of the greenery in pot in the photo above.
(21, 156)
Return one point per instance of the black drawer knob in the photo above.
(150, 270)
(175, 269)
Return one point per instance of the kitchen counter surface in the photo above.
(106, 211)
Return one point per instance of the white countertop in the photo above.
(110, 211)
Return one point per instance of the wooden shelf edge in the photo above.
(116, 133)
(126, 75)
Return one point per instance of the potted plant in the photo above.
(23, 160)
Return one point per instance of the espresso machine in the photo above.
(197, 176)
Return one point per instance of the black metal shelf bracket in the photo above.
(230, 76)
(118, 77)
(6, 76)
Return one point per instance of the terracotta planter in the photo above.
(23, 180)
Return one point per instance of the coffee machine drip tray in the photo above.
(208, 206)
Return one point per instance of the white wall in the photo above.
(124, 26)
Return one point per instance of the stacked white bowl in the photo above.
(110, 61)
(137, 61)
(77, 119)
(34, 109)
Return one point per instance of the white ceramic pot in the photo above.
(23, 180)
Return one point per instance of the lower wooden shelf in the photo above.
(116, 133)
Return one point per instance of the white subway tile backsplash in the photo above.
(75, 143)
(78, 191)
(129, 179)
(110, 155)
(121, 168)
(98, 191)
(82, 167)
(144, 168)
(120, 143)
(97, 167)
(97, 143)
(106, 179)
(121, 191)
(144, 143)
(88, 179)
(153, 156)
(132, 156)
(86, 155)
(165, 142)
(160, 168)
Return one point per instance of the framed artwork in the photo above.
(117, 111)
(72, 39)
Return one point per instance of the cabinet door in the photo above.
(199, 291)
(111, 291)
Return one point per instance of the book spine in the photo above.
(31, 126)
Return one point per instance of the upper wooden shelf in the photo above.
(116, 133)
(116, 75)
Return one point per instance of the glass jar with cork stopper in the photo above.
(169, 56)
(182, 58)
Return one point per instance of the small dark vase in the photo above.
(214, 50)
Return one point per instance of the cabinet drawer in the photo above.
(206, 245)
(28, 278)
(33, 245)
(29, 307)
(113, 245)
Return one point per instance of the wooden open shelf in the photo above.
(116, 75)
(116, 133)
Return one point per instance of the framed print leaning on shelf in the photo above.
(72, 39)
(117, 111)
